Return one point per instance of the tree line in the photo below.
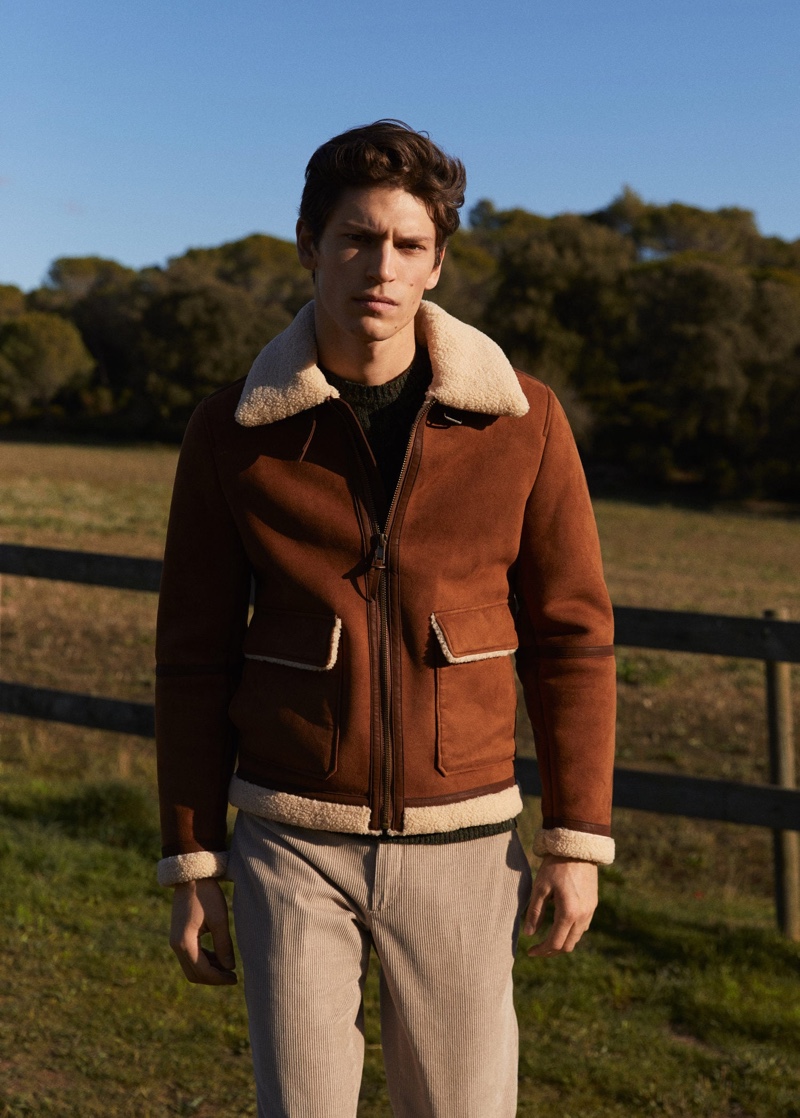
(670, 333)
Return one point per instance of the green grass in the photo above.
(682, 1001)
(673, 1007)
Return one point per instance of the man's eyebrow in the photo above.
(354, 226)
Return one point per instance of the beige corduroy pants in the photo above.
(444, 922)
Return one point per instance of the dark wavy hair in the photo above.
(386, 153)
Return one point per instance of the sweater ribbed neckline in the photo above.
(386, 413)
(373, 397)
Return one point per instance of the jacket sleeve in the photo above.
(566, 656)
(202, 617)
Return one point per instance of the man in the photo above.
(412, 512)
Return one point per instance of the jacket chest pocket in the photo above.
(476, 698)
(287, 705)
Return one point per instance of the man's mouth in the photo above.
(375, 302)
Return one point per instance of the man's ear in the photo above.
(306, 249)
(433, 278)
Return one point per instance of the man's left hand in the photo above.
(572, 887)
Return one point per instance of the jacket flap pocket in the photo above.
(477, 633)
(299, 640)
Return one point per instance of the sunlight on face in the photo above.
(372, 264)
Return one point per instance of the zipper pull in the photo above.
(377, 565)
(379, 550)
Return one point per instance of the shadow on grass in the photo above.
(667, 940)
(714, 981)
(113, 813)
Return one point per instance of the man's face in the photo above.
(372, 264)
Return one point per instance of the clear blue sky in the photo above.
(136, 129)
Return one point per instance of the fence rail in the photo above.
(667, 630)
(771, 639)
(124, 572)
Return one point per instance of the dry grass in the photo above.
(699, 715)
(86, 497)
(720, 561)
(72, 637)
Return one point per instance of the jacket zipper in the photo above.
(380, 554)
(379, 591)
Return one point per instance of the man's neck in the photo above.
(365, 361)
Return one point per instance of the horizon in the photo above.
(289, 238)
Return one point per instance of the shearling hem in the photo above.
(333, 652)
(323, 815)
(451, 657)
(192, 867)
(297, 811)
(494, 807)
(470, 371)
(580, 845)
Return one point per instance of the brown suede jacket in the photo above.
(373, 689)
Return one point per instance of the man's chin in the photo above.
(378, 328)
(381, 325)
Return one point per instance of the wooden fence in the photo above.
(772, 639)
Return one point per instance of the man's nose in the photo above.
(382, 262)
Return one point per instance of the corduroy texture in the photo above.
(578, 845)
(325, 815)
(469, 370)
(192, 867)
(444, 922)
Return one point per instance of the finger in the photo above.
(556, 943)
(535, 915)
(209, 964)
(186, 965)
(533, 918)
(223, 944)
(575, 933)
(186, 946)
(562, 926)
(543, 949)
(555, 939)
(206, 970)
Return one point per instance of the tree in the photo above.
(467, 279)
(266, 267)
(12, 302)
(558, 303)
(70, 278)
(659, 231)
(193, 340)
(684, 372)
(40, 355)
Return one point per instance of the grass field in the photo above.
(682, 1002)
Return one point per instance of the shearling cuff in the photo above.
(192, 867)
(580, 845)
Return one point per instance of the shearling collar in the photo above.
(469, 370)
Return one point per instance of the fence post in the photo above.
(786, 844)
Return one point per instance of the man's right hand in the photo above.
(199, 907)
